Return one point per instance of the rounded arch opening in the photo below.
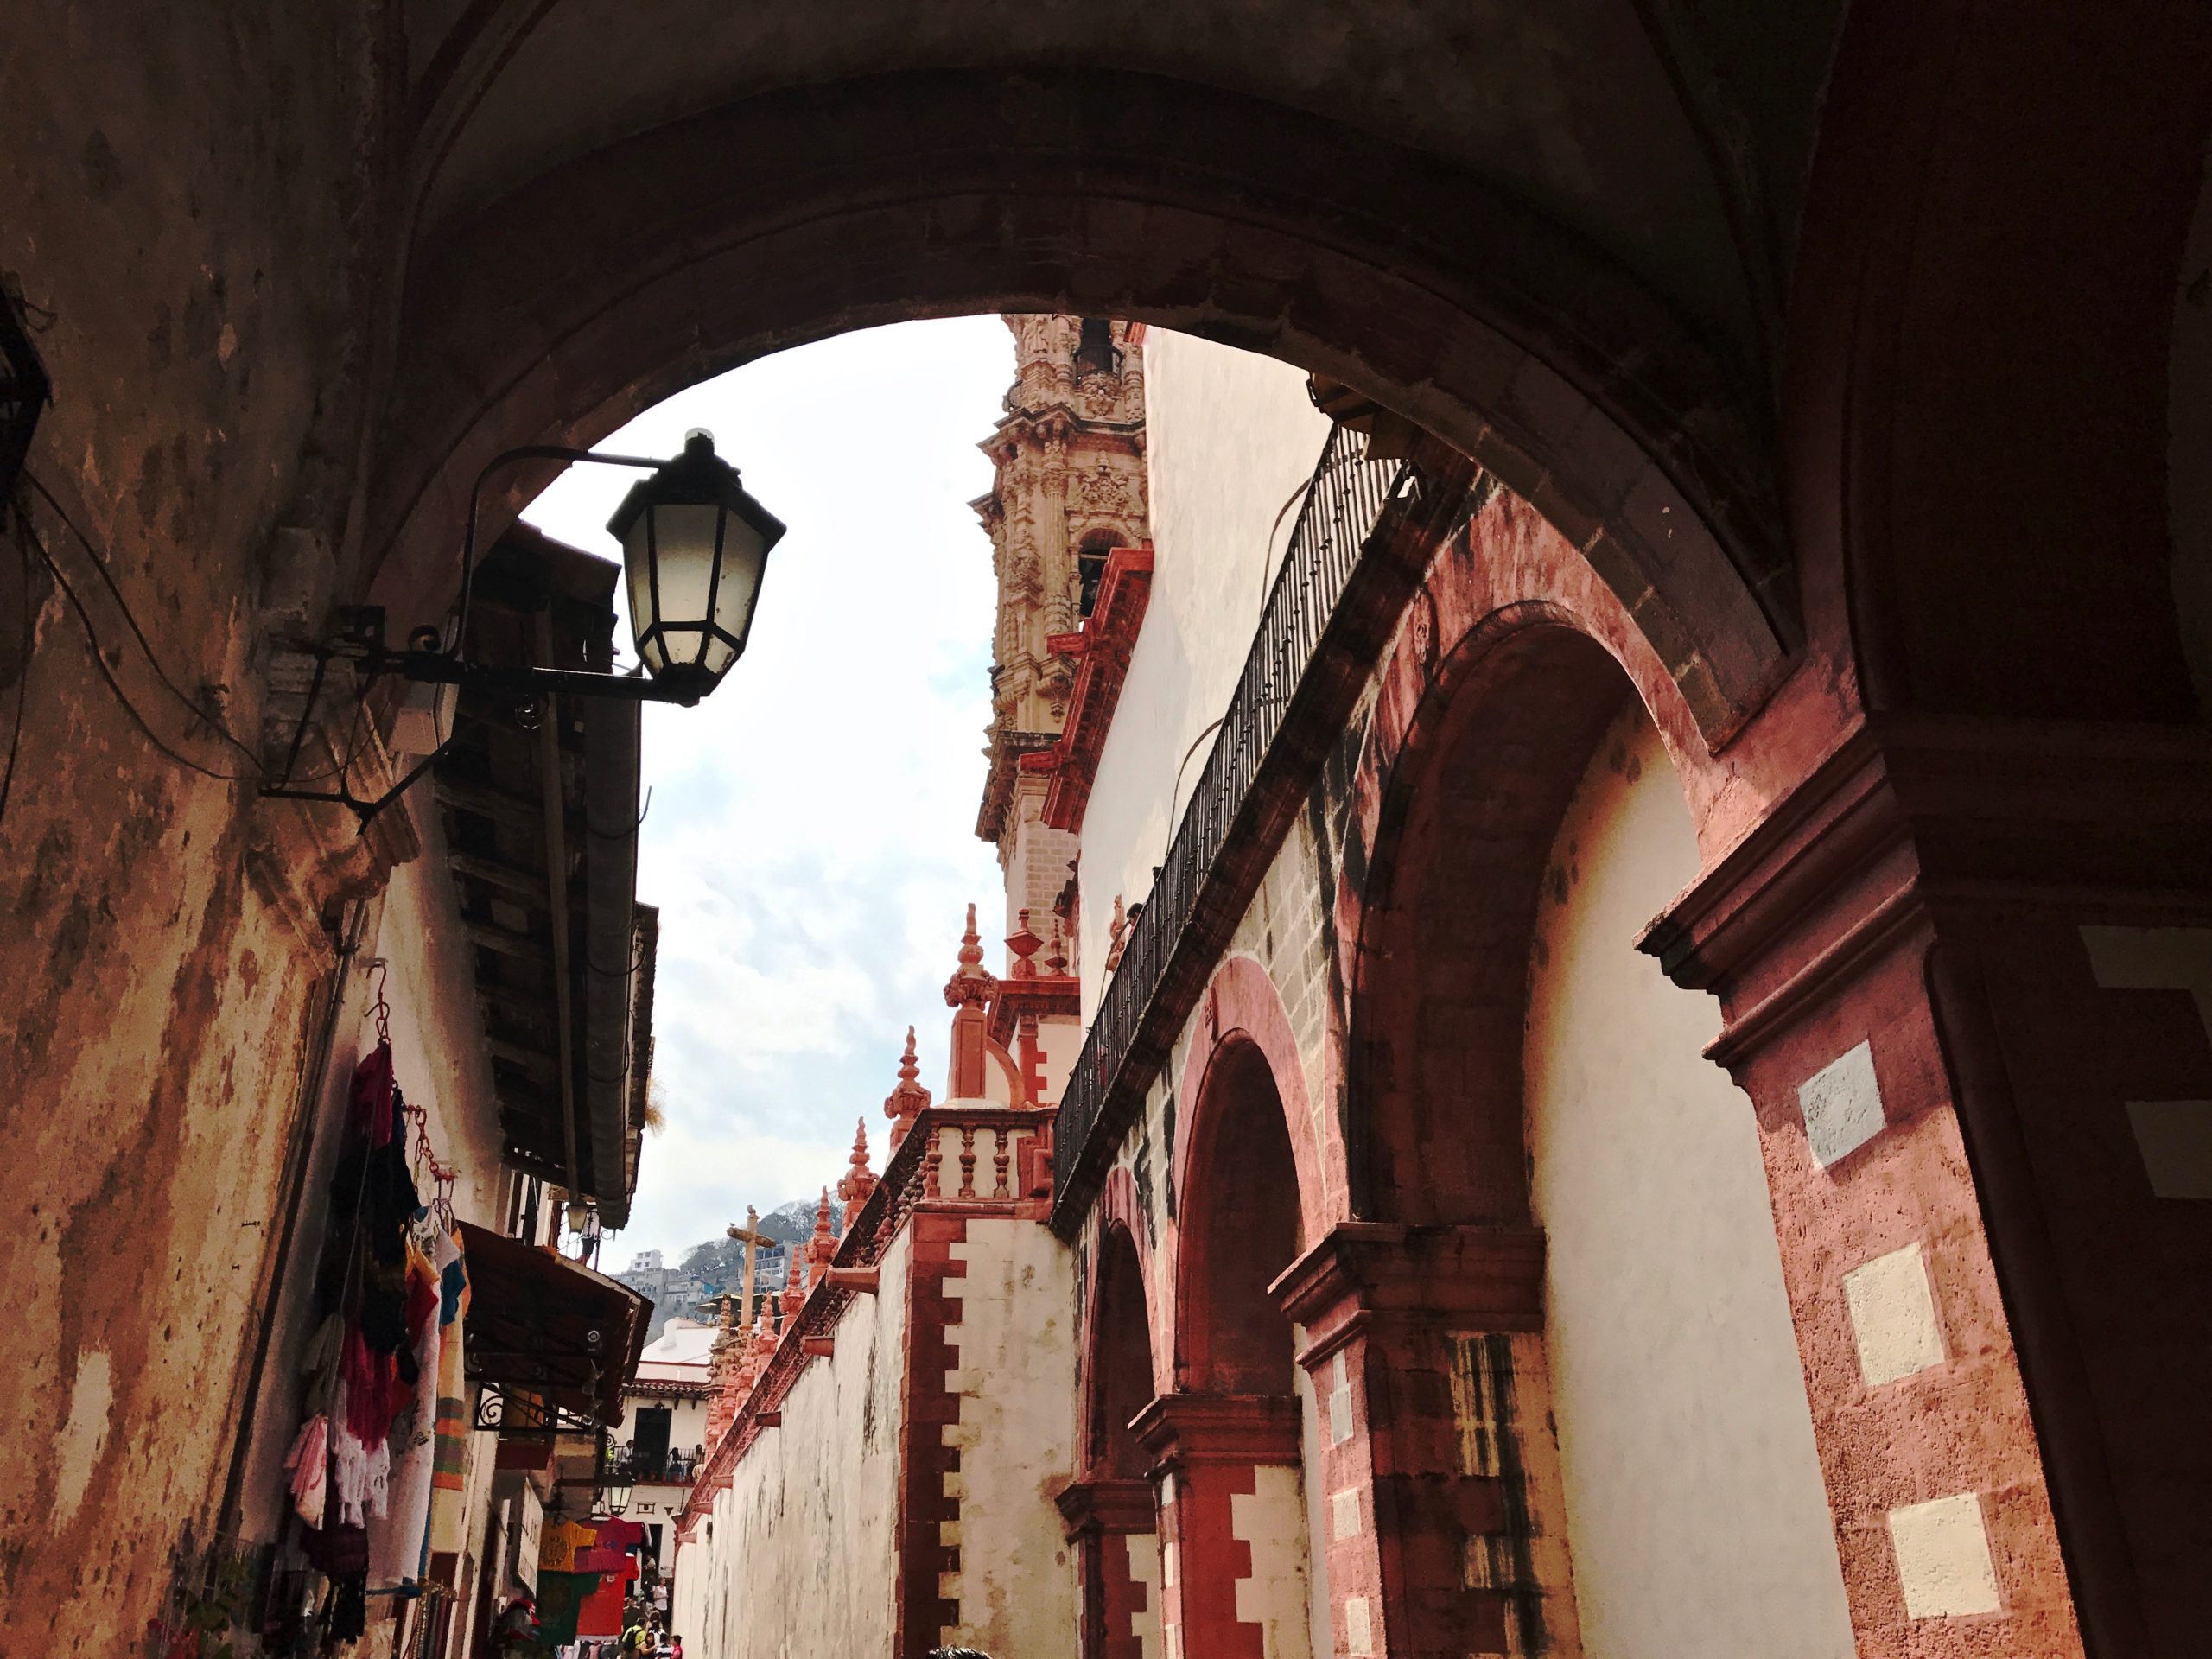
(1119, 1377)
(1461, 865)
(1241, 1229)
(1517, 1063)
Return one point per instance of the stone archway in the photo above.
(581, 297)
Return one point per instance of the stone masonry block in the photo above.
(1893, 1316)
(1942, 1556)
(1842, 1104)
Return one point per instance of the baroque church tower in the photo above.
(1070, 487)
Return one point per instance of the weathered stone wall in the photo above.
(179, 184)
(800, 1552)
(1015, 1384)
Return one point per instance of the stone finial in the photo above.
(1056, 960)
(1022, 944)
(822, 1248)
(971, 983)
(723, 1354)
(860, 1181)
(905, 1103)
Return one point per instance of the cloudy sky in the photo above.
(810, 836)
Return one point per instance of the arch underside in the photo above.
(611, 281)
(1802, 327)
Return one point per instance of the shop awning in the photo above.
(552, 1341)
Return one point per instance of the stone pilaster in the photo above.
(1446, 1519)
(1232, 1525)
(1966, 971)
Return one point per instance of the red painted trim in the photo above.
(924, 1458)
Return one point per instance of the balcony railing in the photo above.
(1366, 522)
(674, 1469)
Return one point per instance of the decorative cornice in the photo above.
(1490, 1278)
(1106, 1503)
(1040, 996)
(648, 1387)
(1006, 751)
(1182, 1429)
(1911, 818)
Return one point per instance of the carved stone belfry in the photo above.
(1070, 487)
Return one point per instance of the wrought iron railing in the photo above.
(1345, 506)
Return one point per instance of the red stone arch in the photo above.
(1241, 1007)
(1119, 1277)
(611, 281)
(1250, 1175)
(1508, 671)
(1111, 1516)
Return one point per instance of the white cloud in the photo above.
(810, 836)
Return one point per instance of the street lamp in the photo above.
(695, 547)
(615, 1493)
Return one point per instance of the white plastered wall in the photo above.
(802, 1558)
(1696, 1512)
(1014, 1374)
(687, 1418)
(1231, 438)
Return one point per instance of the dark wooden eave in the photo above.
(540, 813)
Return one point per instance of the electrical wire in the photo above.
(99, 661)
(352, 748)
(23, 685)
(100, 564)
(593, 829)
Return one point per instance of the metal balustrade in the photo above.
(1346, 505)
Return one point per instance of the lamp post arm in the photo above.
(508, 458)
(437, 668)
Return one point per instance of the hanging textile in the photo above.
(560, 1598)
(558, 1543)
(450, 1474)
(372, 1085)
(601, 1612)
(396, 1542)
(309, 1463)
(360, 1472)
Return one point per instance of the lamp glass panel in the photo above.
(682, 561)
(744, 554)
(637, 569)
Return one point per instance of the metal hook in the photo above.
(382, 1010)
